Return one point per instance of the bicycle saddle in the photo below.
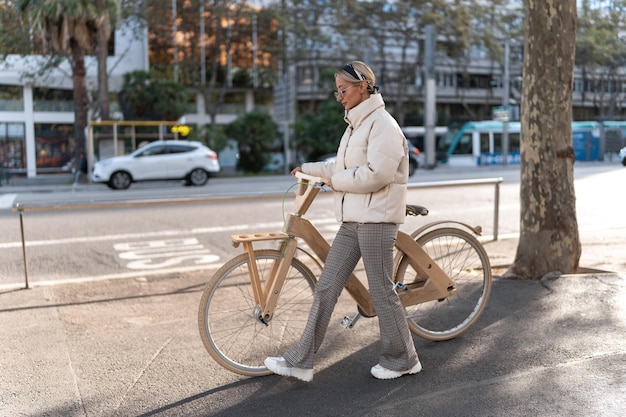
(413, 210)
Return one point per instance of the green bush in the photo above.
(144, 98)
(256, 133)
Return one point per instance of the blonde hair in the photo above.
(357, 71)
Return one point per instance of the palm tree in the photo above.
(109, 11)
(71, 27)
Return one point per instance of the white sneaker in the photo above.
(280, 367)
(384, 373)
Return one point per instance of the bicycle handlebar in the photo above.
(310, 178)
(306, 193)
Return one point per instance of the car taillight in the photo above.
(416, 151)
(211, 155)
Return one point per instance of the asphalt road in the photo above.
(109, 237)
(106, 238)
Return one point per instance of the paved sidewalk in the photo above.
(131, 347)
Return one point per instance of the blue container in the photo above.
(586, 141)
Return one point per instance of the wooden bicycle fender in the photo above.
(477, 230)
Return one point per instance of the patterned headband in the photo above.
(350, 70)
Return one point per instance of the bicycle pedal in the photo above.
(349, 322)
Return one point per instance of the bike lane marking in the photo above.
(154, 253)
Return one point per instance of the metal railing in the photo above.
(461, 183)
(21, 209)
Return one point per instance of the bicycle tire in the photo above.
(462, 257)
(227, 316)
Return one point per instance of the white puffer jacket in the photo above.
(372, 166)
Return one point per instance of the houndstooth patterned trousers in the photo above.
(374, 242)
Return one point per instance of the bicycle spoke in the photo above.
(464, 260)
(229, 328)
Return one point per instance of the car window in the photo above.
(153, 150)
(181, 148)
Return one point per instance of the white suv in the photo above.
(622, 156)
(160, 160)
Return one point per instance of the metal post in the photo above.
(90, 148)
(21, 210)
(287, 151)
(496, 207)
(505, 102)
(115, 151)
(430, 107)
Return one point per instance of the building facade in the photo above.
(37, 112)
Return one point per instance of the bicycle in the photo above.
(256, 305)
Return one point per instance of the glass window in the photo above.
(464, 147)
(579, 85)
(180, 148)
(497, 142)
(11, 98)
(234, 103)
(263, 100)
(484, 143)
(12, 146)
(154, 150)
(53, 100)
(54, 145)
(514, 142)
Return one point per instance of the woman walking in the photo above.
(369, 179)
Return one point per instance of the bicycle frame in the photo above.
(436, 284)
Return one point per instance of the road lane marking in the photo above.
(208, 230)
(6, 200)
(162, 233)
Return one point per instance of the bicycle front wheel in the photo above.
(462, 257)
(228, 315)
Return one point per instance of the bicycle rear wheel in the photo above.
(461, 256)
(228, 314)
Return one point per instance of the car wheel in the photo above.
(120, 180)
(624, 162)
(197, 177)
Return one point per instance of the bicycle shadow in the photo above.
(196, 288)
(346, 387)
(529, 338)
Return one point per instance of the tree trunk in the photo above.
(80, 97)
(102, 48)
(549, 240)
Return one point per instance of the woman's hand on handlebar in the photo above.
(327, 182)
(296, 169)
